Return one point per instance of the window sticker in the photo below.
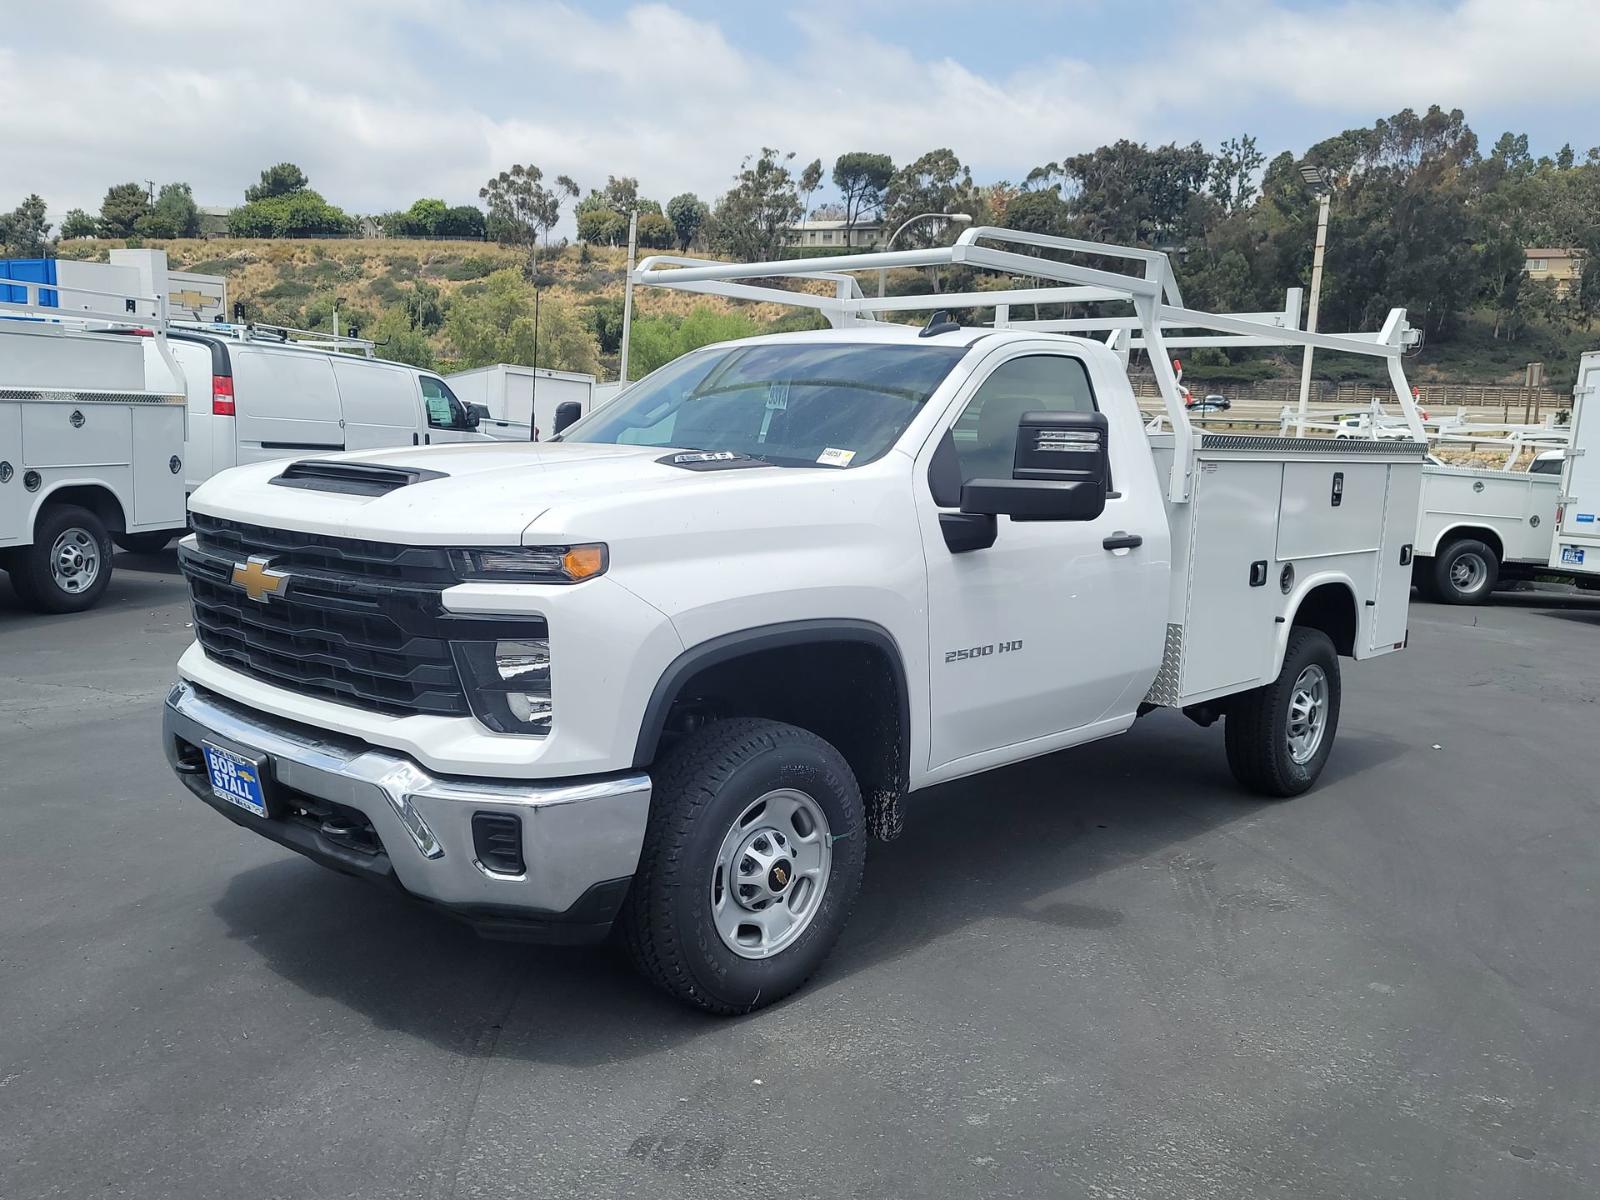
(835, 458)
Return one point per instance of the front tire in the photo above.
(751, 862)
(1279, 736)
(68, 566)
(1465, 572)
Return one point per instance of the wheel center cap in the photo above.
(781, 875)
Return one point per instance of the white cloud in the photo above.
(384, 102)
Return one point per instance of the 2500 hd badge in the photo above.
(973, 652)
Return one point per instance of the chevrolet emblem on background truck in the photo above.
(258, 579)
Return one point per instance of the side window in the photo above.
(441, 403)
(985, 433)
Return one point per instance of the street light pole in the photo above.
(627, 296)
(1316, 179)
(958, 218)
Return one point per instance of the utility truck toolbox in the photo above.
(671, 669)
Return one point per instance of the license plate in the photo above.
(1573, 555)
(236, 779)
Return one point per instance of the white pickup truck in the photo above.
(670, 671)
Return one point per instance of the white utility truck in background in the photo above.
(89, 450)
(510, 396)
(1577, 543)
(671, 669)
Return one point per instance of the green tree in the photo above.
(687, 213)
(1041, 211)
(461, 221)
(78, 224)
(401, 341)
(605, 319)
(295, 214)
(121, 209)
(421, 220)
(655, 231)
(24, 232)
(810, 181)
(936, 182)
(752, 220)
(599, 224)
(656, 341)
(863, 179)
(284, 179)
(423, 307)
(174, 214)
(521, 208)
(497, 325)
(1233, 172)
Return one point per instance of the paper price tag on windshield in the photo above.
(835, 458)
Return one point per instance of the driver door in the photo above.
(1049, 630)
(448, 419)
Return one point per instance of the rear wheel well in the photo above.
(849, 692)
(98, 500)
(1463, 533)
(1331, 607)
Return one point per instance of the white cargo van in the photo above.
(253, 400)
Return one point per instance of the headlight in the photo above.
(534, 564)
(508, 683)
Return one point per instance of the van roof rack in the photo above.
(288, 335)
(1083, 274)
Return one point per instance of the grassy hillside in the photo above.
(294, 282)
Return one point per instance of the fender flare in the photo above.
(60, 485)
(1473, 529)
(729, 646)
(1304, 588)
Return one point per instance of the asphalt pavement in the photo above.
(1100, 974)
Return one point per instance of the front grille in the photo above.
(357, 622)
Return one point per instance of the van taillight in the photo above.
(222, 395)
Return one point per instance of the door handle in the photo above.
(1122, 541)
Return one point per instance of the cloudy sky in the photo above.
(382, 101)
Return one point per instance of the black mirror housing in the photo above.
(567, 412)
(1061, 471)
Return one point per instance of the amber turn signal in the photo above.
(584, 562)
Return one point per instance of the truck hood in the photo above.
(483, 493)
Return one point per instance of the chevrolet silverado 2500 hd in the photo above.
(670, 671)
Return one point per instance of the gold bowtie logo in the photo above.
(258, 579)
(779, 876)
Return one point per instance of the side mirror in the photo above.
(567, 412)
(1061, 471)
(477, 414)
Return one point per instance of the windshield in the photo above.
(793, 404)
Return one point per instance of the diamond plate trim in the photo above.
(64, 396)
(1353, 447)
(1167, 689)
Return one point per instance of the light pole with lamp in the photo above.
(1323, 189)
(957, 218)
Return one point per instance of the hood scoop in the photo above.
(351, 478)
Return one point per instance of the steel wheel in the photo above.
(771, 873)
(1468, 571)
(1308, 713)
(75, 560)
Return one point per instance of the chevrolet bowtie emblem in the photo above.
(258, 579)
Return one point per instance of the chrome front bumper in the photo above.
(580, 837)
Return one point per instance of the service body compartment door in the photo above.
(158, 446)
(13, 499)
(66, 433)
(1391, 610)
(1233, 595)
(1332, 508)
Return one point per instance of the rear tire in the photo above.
(144, 543)
(68, 566)
(1465, 572)
(745, 815)
(1279, 736)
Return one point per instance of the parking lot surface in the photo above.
(1100, 974)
